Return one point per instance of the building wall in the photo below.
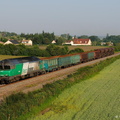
(29, 42)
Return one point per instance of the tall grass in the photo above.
(21, 106)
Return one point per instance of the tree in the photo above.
(112, 38)
(54, 50)
(95, 40)
(37, 39)
(76, 50)
(60, 40)
(10, 49)
(46, 41)
(66, 36)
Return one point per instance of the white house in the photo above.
(79, 42)
(82, 42)
(53, 42)
(69, 42)
(27, 42)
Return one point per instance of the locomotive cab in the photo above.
(15, 69)
(5, 67)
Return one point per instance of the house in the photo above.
(103, 43)
(27, 42)
(53, 42)
(107, 43)
(15, 42)
(79, 42)
(82, 42)
(110, 43)
(69, 42)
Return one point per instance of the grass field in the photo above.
(8, 56)
(97, 98)
(85, 48)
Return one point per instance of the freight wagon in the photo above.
(19, 68)
(87, 56)
(49, 64)
(68, 60)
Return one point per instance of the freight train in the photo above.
(16, 69)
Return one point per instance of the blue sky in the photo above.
(76, 17)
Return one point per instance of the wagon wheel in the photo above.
(7, 81)
(22, 77)
(36, 74)
(17, 79)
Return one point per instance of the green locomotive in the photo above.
(18, 68)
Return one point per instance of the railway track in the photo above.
(37, 82)
(1, 86)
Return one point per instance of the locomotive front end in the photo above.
(5, 70)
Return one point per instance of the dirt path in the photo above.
(38, 82)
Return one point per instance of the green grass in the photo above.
(97, 98)
(2, 57)
(8, 56)
(85, 48)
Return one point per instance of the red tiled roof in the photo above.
(81, 41)
(69, 41)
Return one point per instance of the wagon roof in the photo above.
(47, 58)
(87, 52)
(60, 56)
(21, 60)
(54, 57)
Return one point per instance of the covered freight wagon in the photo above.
(87, 56)
(67, 60)
(103, 52)
(49, 64)
(91, 55)
(64, 61)
(75, 59)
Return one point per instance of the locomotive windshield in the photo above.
(4, 65)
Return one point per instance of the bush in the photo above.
(76, 50)
(54, 50)
(22, 50)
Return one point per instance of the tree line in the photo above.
(22, 50)
(46, 38)
(113, 38)
(37, 38)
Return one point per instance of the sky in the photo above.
(76, 17)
